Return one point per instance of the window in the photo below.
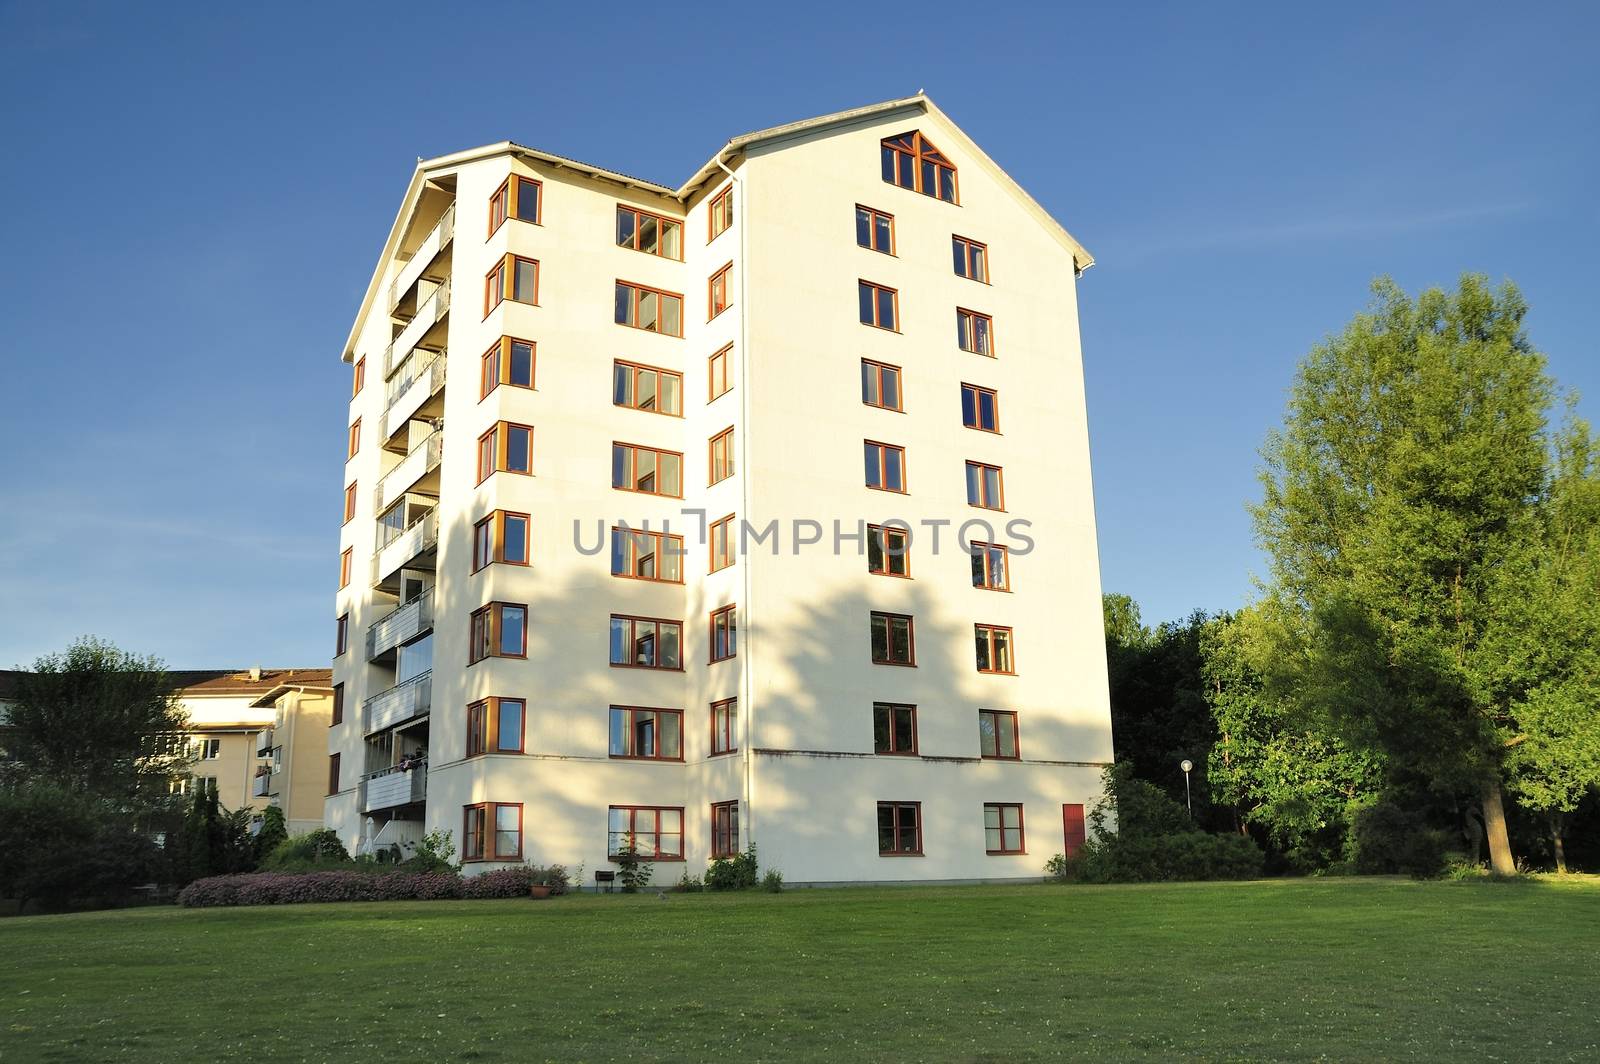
(900, 829)
(719, 373)
(724, 829)
(649, 309)
(991, 566)
(333, 773)
(1002, 828)
(972, 259)
(349, 501)
(341, 638)
(997, 734)
(911, 161)
(655, 833)
(1073, 833)
(892, 640)
(880, 306)
(874, 230)
(495, 726)
(994, 649)
(724, 633)
(722, 548)
(344, 568)
(975, 332)
(359, 380)
(719, 294)
(499, 630)
(894, 728)
(886, 466)
(517, 197)
(647, 734)
(509, 361)
(501, 537)
(338, 705)
(720, 213)
(984, 486)
(506, 448)
(355, 440)
(207, 749)
(888, 551)
(646, 642)
(514, 278)
(639, 555)
(649, 388)
(721, 460)
(880, 384)
(492, 831)
(653, 234)
(980, 408)
(646, 470)
(725, 726)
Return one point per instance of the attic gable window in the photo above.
(911, 161)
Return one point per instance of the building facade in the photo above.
(756, 510)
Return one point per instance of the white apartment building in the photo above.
(854, 338)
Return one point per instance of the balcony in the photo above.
(400, 625)
(261, 786)
(394, 787)
(418, 471)
(399, 704)
(427, 324)
(415, 548)
(416, 391)
(264, 742)
(432, 247)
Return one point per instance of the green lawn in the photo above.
(1299, 970)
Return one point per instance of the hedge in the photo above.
(293, 888)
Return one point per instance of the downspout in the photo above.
(746, 709)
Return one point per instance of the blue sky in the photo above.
(197, 196)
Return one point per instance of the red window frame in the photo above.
(724, 633)
(636, 293)
(882, 460)
(480, 832)
(345, 557)
(338, 705)
(358, 379)
(724, 726)
(720, 209)
(655, 733)
(871, 309)
(988, 637)
(500, 283)
(888, 558)
(483, 726)
(489, 540)
(872, 377)
(719, 296)
(969, 336)
(494, 450)
(662, 548)
(508, 201)
(1000, 721)
(631, 641)
(632, 475)
(899, 812)
(720, 535)
(915, 156)
(889, 710)
(971, 258)
(724, 829)
(635, 371)
(349, 502)
(634, 816)
(719, 370)
(333, 774)
(355, 439)
(719, 456)
(871, 216)
(978, 490)
(982, 570)
(636, 240)
(1001, 809)
(977, 393)
(887, 621)
(486, 632)
(341, 639)
(496, 366)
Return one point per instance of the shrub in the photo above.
(274, 832)
(689, 884)
(1389, 839)
(738, 872)
(772, 882)
(289, 888)
(434, 852)
(62, 845)
(306, 853)
(632, 873)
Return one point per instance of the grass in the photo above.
(1291, 970)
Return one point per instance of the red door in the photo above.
(1072, 829)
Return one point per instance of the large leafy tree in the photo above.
(99, 720)
(1407, 477)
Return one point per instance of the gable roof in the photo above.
(240, 684)
(1080, 255)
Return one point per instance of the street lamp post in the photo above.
(1186, 765)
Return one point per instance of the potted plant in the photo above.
(543, 882)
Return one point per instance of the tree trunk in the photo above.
(1560, 843)
(1494, 827)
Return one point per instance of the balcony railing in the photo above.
(394, 787)
(263, 785)
(436, 241)
(419, 541)
(399, 704)
(418, 463)
(429, 314)
(264, 742)
(400, 625)
(416, 383)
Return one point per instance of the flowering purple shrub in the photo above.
(290, 888)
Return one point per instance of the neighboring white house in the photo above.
(834, 330)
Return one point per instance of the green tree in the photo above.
(1407, 476)
(274, 831)
(59, 844)
(98, 719)
(1277, 768)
